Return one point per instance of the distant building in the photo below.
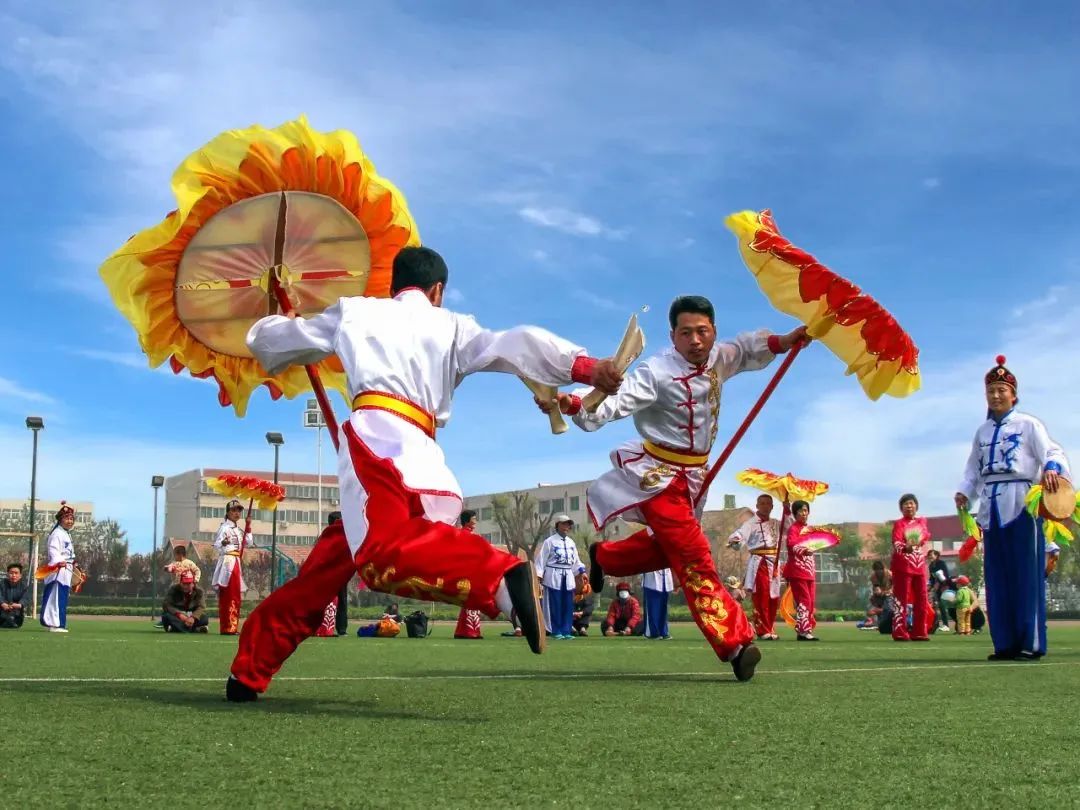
(193, 511)
(12, 509)
(551, 499)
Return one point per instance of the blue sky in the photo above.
(574, 163)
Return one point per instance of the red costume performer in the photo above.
(228, 573)
(674, 399)
(760, 536)
(909, 538)
(403, 358)
(468, 621)
(800, 571)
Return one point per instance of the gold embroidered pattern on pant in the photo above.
(710, 610)
(414, 587)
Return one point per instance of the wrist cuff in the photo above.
(774, 345)
(575, 405)
(582, 370)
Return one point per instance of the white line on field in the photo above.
(551, 676)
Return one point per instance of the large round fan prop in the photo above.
(267, 221)
(851, 324)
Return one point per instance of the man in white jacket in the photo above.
(403, 357)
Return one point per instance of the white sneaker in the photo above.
(944, 629)
(57, 629)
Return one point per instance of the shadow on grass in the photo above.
(187, 696)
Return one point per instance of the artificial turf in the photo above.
(854, 721)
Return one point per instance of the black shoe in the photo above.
(521, 585)
(807, 638)
(1028, 656)
(239, 692)
(596, 572)
(996, 656)
(745, 662)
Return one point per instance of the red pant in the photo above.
(765, 605)
(229, 603)
(804, 592)
(910, 589)
(403, 553)
(679, 543)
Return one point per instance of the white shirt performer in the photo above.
(759, 535)
(1011, 451)
(228, 580)
(403, 358)
(558, 565)
(61, 558)
(674, 399)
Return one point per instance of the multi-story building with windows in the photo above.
(13, 509)
(550, 499)
(193, 511)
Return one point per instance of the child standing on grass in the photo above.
(965, 604)
(800, 571)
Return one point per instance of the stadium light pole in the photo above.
(275, 439)
(34, 424)
(156, 483)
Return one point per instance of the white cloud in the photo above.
(566, 221)
(870, 452)
(931, 183)
(596, 301)
(112, 471)
(455, 296)
(539, 255)
(125, 359)
(10, 388)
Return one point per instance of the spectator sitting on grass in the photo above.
(624, 614)
(14, 597)
(874, 610)
(185, 607)
(584, 604)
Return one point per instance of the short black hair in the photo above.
(797, 505)
(697, 304)
(418, 267)
(15, 565)
(907, 496)
(333, 518)
(878, 565)
(467, 515)
(180, 550)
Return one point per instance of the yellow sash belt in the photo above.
(674, 456)
(409, 411)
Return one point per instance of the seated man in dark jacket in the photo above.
(584, 604)
(624, 614)
(185, 607)
(14, 598)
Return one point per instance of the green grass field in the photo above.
(118, 714)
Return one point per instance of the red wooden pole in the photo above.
(750, 417)
(286, 307)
